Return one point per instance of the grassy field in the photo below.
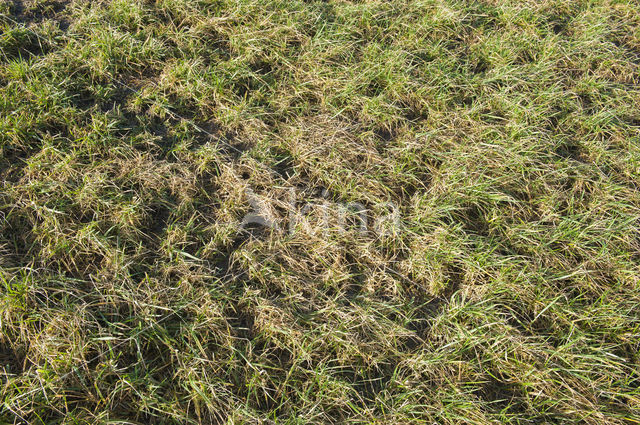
(320, 212)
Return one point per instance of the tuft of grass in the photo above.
(502, 136)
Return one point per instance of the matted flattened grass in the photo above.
(297, 212)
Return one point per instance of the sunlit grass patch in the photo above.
(319, 212)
